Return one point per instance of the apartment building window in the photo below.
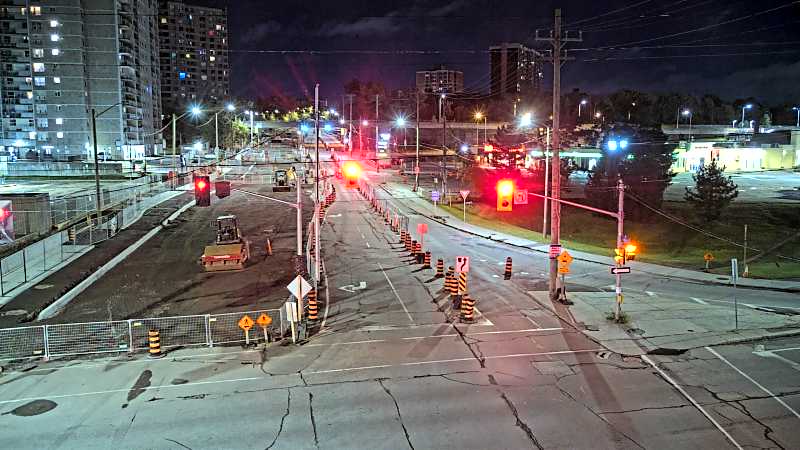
(36, 10)
(38, 53)
(57, 80)
(53, 23)
(39, 81)
(163, 20)
(54, 37)
(31, 135)
(38, 67)
(58, 107)
(59, 121)
(212, 58)
(43, 136)
(36, 27)
(55, 52)
(60, 134)
(41, 123)
(57, 93)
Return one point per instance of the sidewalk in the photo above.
(665, 325)
(421, 204)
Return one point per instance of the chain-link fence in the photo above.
(118, 336)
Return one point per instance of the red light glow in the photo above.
(351, 169)
(505, 187)
(200, 185)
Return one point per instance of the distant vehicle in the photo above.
(230, 250)
(281, 181)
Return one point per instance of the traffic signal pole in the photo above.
(620, 231)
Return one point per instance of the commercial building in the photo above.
(59, 59)
(194, 55)
(515, 69)
(441, 80)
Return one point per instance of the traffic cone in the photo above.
(467, 309)
(453, 281)
(507, 274)
(426, 262)
(413, 247)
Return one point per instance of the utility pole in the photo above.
(546, 176)
(416, 167)
(174, 150)
(620, 231)
(557, 41)
(377, 116)
(96, 166)
(443, 118)
(350, 122)
(316, 187)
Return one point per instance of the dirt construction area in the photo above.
(164, 277)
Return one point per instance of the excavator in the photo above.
(230, 251)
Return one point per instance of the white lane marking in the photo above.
(363, 237)
(769, 354)
(785, 349)
(697, 300)
(395, 293)
(646, 359)
(327, 294)
(445, 361)
(760, 386)
(368, 246)
(651, 294)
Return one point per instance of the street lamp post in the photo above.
(478, 117)
(580, 105)
(747, 106)
(633, 105)
(796, 108)
(98, 206)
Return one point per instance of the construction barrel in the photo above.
(426, 261)
(453, 281)
(413, 248)
(467, 309)
(313, 306)
(154, 344)
(507, 273)
(439, 268)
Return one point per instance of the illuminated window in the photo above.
(55, 52)
(182, 75)
(163, 20)
(29, 94)
(31, 135)
(36, 10)
(39, 81)
(60, 134)
(219, 27)
(53, 23)
(54, 37)
(59, 121)
(38, 52)
(57, 80)
(38, 67)
(212, 58)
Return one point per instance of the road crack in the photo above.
(176, 442)
(313, 421)
(283, 419)
(399, 416)
(522, 425)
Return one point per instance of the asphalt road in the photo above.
(392, 368)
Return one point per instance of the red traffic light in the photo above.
(200, 185)
(351, 169)
(3, 213)
(505, 187)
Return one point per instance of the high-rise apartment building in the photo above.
(515, 69)
(440, 80)
(194, 55)
(59, 59)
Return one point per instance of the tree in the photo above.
(713, 192)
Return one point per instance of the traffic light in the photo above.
(619, 256)
(630, 252)
(505, 195)
(202, 190)
(352, 172)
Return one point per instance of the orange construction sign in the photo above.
(246, 323)
(264, 320)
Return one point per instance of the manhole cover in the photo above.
(43, 286)
(14, 312)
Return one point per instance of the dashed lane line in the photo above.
(411, 319)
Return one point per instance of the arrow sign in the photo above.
(616, 270)
(352, 288)
(462, 264)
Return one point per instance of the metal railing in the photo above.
(120, 336)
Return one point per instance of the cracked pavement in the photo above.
(393, 369)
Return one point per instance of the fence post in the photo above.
(46, 343)
(209, 341)
(24, 267)
(44, 255)
(2, 292)
(131, 345)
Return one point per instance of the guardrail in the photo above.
(121, 336)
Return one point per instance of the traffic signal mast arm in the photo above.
(293, 205)
(577, 205)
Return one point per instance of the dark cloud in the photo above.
(261, 31)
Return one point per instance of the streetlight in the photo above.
(526, 120)
(688, 113)
(230, 108)
(400, 121)
(599, 115)
(747, 106)
(580, 105)
(797, 108)
(478, 116)
(633, 105)
(96, 162)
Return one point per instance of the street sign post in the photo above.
(464, 195)
(462, 264)
(299, 287)
(291, 316)
(264, 320)
(521, 197)
(246, 323)
(435, 197)
(734, 279)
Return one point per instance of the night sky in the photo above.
(750, 48)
